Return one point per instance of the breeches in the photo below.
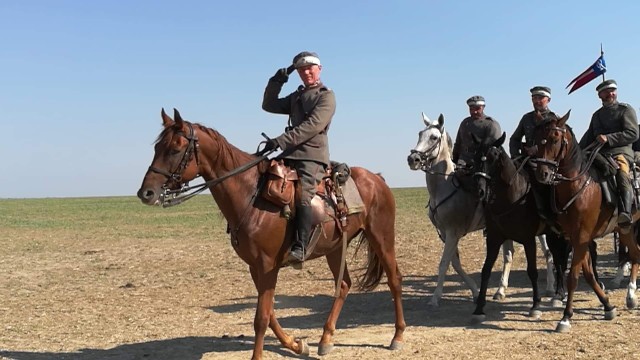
(622, 177)
(310, 174)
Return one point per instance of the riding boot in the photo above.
(624, 208)
(304, 224)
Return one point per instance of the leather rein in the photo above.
(185, 192)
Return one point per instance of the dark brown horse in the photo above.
(582, 213)
(505, 194)
(261, 236)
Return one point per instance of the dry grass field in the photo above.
(109, 278)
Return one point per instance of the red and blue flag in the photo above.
(598, 68)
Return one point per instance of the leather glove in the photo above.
(270, 145)
(281, 76)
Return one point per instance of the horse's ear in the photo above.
(426, 120)
(440, 122)
(176, 115)
(500, 141)
(166, 120)
(563, 120)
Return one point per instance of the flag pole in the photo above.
(602, 54)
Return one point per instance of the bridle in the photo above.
(554, 165)
(426, 160)
(171, 197)
(189, 153)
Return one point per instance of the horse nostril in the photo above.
(146, 194)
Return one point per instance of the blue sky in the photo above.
(83, 82)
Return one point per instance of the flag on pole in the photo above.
(598, 68)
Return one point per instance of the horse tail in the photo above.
(370, 279)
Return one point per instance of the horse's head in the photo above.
(553, 140)
(430, 144)
(488, 163)
(175, 162)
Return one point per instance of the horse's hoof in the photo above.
(563, 327)
(396, 345)
(324, 349)
(632, 301)
(610, 314)
(498, 296)
(303, 346)
(550, 293)
(556, 303)
(478, 319)
(535, 314)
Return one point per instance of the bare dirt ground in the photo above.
(66, 297)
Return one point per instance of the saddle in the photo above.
(336, 196)
(604, 169)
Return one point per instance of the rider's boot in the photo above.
(304, 224)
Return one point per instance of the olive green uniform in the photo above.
(464, 148)
(305, 143)
(619, 123)
(526, 128)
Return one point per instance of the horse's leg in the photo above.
(507, 261)
(494, 240)
(450, 249)
(532, 271)
(560, 252)
(334, 260)
(590, 277)
(580, 253)
(593, 253)
(632, 300)
(550, 291)
(265, 315)
(457, 266)
(385, 249)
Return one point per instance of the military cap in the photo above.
(305, 58)
(540, 91)
(475, 101)
(607, 84)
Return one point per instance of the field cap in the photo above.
(306, 58)
(541, 91)
(607, 84)
(476, 101)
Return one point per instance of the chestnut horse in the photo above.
(582, 213)
(260, 236)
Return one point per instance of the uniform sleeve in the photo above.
(588, 136)
(515, 141)
(494, 131)
(629, 134)
(316, 122)
(271, 102)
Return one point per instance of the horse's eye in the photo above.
(173, 152)
(543, 142)
(434, 137)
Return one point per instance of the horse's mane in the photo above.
(226, 150)
(575, 156)
(449, 144)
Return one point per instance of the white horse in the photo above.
(453, 211)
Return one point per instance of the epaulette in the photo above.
(624, 104)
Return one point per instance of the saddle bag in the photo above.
(279, 188)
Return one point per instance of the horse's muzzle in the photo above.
(415, 161)
(149, 196)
